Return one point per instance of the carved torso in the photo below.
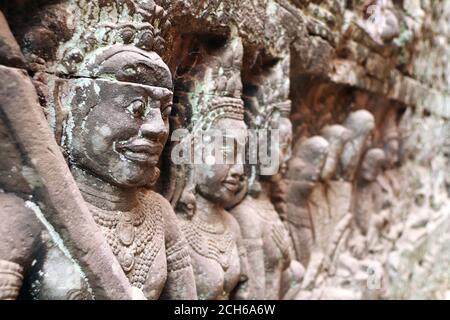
(321, 216)
(136, 238)
(215, 255)
(299, 219)
(139, 240)
(262, 227)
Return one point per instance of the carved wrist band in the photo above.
(10, 280)
(178, 257)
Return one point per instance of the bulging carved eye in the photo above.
(137, 108)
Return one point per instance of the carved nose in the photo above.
(154, 128)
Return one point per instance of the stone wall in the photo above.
(359, 210)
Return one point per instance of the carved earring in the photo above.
(155, 172)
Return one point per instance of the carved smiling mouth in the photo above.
(141, 151)
(233, 185)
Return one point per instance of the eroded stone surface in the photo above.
(358, 208)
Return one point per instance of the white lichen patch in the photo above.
(57, 240)
(99, 143)
(31, 177)
(105, 130)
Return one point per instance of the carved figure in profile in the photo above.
(303, 174)
(368, 202)
(211, 91)
(360, 123)
(347, 145)
(321, 213)
(327, 226)
(276, 274)
(390, 141)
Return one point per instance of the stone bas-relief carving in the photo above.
(33, 173)
(368, 195)
(330, 202)
(358, 209)
(117, 128)
(276, 274)
(114, 130)
(327, 223)
(304, 171)
(212, 88)
(321, 212)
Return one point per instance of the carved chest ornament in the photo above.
(136, 237)
(210, 241)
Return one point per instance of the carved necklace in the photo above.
(135, 236)
(212, 241)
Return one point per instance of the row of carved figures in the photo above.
(228, 232)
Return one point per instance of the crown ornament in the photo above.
(266, 95)
(139, 23)
(213, 89)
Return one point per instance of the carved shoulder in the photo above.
(171, 228)
(246, 218)
(233, 224)
(180, 282)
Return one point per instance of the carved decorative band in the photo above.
(232, 107)
(283, 107)
(178, 257)
(10, 280)
(227, 102)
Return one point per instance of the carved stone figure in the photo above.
(358, 125)
(212, 89)
(275, 274)
(327, 231)
(337, 136)
(114, 111)
(96, 203)
(357, 264)
(368, 202)
(390, 140)
(343, 239)
(323, 220)
(361, 124)
(303, 173)
(33, 210)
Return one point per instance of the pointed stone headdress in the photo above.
(266, 95)
(141, 24)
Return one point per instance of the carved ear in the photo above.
(178, 176)
(187, 205)
(154, 176)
